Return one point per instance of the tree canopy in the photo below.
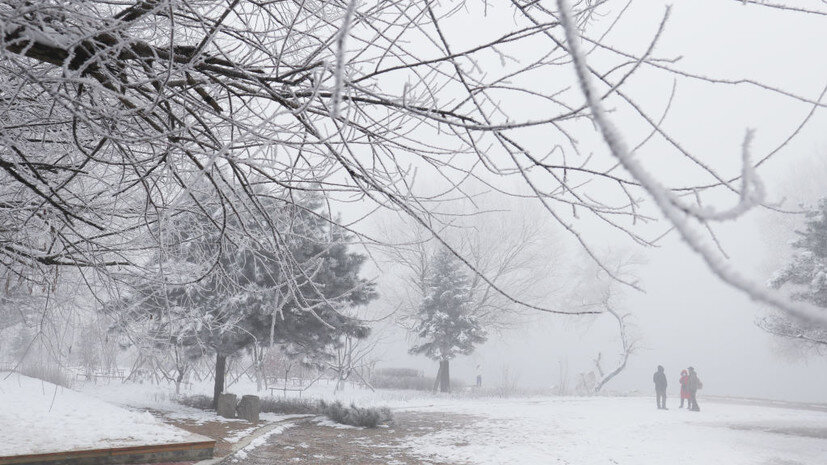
(119, 115)
(213, 296)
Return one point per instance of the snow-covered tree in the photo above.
(806, 277)
(446, 321)
(212, 296)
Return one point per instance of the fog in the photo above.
(685, 316)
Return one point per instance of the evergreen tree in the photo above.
(806, 275)
(206, 296)
(445, 321)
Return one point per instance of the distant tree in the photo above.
(287, 289)
(806, 276)
(511, 246)
(628, 345)
(446, 321)
(594, 288)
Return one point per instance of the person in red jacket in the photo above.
(684, 388)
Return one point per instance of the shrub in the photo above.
(289, 406)
(196, 401)
(355, 416)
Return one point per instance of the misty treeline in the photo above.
(184, 173)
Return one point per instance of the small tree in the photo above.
(806, 275)
(446, 322)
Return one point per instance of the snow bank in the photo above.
(40, 417)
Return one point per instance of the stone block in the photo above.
(249, 408)
(226, 405)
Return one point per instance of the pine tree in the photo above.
(209, 297)
(446, 322)
(806, 274)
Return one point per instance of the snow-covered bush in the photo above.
(355, 416)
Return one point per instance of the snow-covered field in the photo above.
(40, 417)
(582, 431)
(518, 431)
(600, 430)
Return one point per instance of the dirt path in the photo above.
(217, 429)
(310, 442)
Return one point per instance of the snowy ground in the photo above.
(523, 431)
(40, 417)
(632, 431)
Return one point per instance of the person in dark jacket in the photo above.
(692, 385)
(660, 387)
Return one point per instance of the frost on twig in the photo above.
(341, 42)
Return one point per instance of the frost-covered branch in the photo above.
(661, 195)
(628, 345)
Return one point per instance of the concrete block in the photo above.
(249, 408)
(226, 405)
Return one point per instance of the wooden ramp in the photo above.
(179, 452)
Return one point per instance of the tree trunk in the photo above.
(220, 371)
(340, 382)
(444, 376)
(629, 347)
(178, 380)
(258, 360)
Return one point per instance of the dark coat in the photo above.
(693, 383)
(660, 380)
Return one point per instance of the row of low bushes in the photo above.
(415, 383)
(369, 417)
(406, 378)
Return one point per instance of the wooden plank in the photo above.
(180, 452)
